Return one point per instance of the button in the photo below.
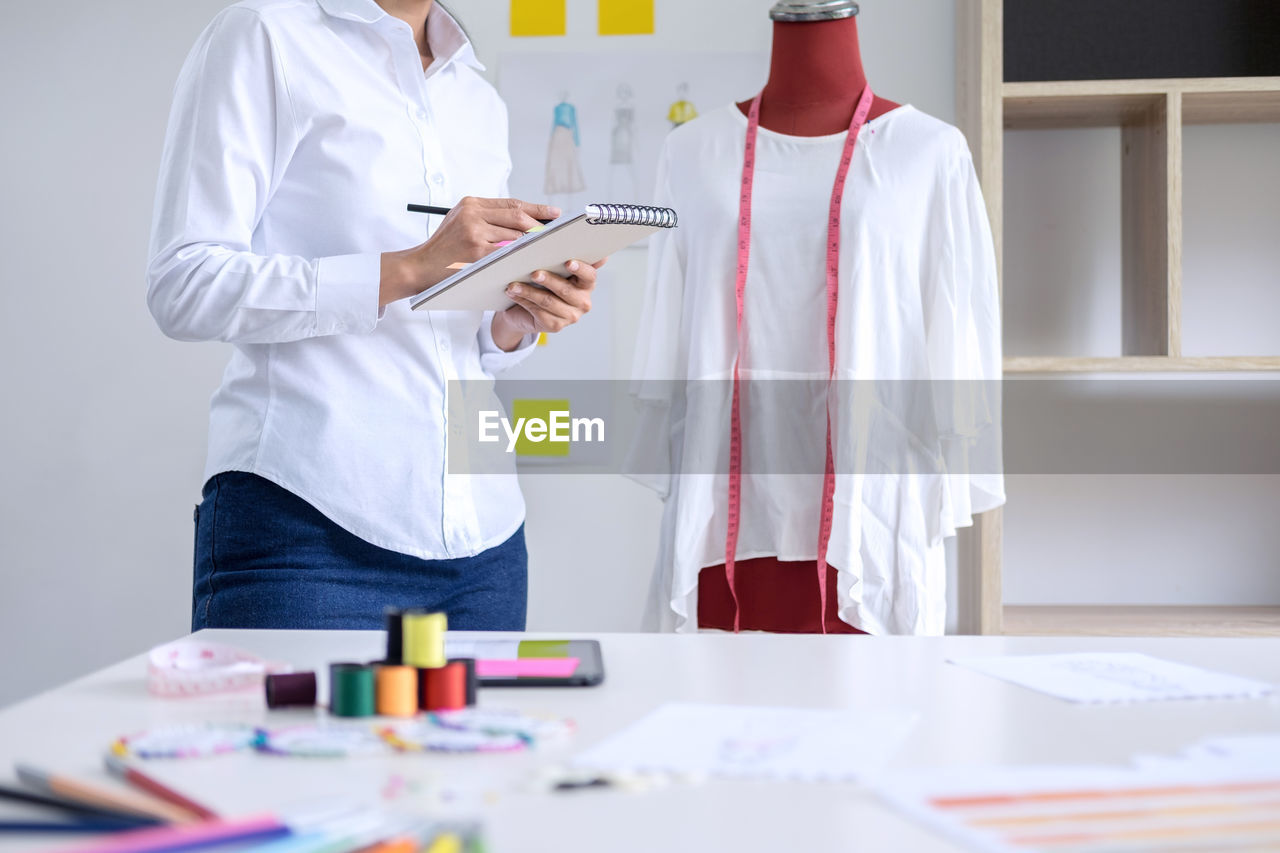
(422, 114)
(438, 179)
(444, 345)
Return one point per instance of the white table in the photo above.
(966, 718)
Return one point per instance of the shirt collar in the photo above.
(444, 34)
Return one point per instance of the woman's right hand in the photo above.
(473, 229)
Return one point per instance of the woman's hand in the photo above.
(556, 303)
(473, 229)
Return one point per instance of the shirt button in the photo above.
(422, 114)
(444, 345)
(437, 179)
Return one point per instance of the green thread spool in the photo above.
(351, 690)
(423, 635)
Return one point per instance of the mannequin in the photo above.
(815, 76)
(815, 79)
(917, 300)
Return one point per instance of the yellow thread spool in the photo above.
(424, 639)
(397, 691)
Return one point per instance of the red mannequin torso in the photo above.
(815, 79)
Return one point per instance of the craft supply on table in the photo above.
(471, 679)
(351, 690)
(193, 668)
(325, 739)
(423, 635)
(395, 635)
(96, 796)
(424, 735)
(186, 741)
(1098, 677)
(76, 810)
(532, 729)
(190, 836)
(291, 690)
(397, 688)
(121, 769)
(443, 688)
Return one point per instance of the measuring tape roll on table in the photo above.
(193, 668)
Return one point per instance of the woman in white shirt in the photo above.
(299, 131)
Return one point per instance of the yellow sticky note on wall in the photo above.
(626, 17)
(537, 17)
(544, 427)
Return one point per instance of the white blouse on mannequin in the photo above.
(918, 300)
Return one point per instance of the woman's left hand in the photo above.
(556, 303)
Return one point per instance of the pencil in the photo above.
(143, 782)
(93, 795)
(56, 827)
(192, 836)
(444, 211)
(75, 809)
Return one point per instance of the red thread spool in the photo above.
(443, 688)
(472, 681)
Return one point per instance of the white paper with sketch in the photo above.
(1114, 677)
(796, 744)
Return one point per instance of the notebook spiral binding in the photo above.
(631, 214)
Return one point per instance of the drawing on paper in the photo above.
(622, 155)
(564, 168)
(683, 109)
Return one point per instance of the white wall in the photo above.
(105, 418)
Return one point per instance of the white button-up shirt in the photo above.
(300, 130)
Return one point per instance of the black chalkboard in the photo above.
(1123, 39)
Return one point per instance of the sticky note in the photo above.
(537, 17)
(626, 17)
(542, 339)
(538, 420)
(543, 649)
(527, 668)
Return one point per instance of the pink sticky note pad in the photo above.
(527, 668)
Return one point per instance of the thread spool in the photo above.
(351, 690)
(397, 691)
(471, 682)
(446, 687)
(395, 635)
(291, 690)
(423, 635)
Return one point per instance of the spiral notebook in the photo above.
(597, 232)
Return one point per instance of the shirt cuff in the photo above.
(347, 293)
(493, 358)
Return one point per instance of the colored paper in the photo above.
(527, 668)
(626, 17)
(1181, 805)
(752, 742)
(537, 17)
(533, 411)
(1115, 677)
(542, 339)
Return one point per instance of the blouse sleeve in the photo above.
(659, 352)
(963, 339)
(231, 135)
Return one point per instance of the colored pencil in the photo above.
(188, 836)
(135, 777)
(93, 795)
(56, 827)
(75, 809)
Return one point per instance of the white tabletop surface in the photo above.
(966, 718)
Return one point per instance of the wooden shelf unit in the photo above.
(1151, 115)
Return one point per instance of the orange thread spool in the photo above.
(397, 691)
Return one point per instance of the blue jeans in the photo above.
(265, 558)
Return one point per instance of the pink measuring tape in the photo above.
(833, 295)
